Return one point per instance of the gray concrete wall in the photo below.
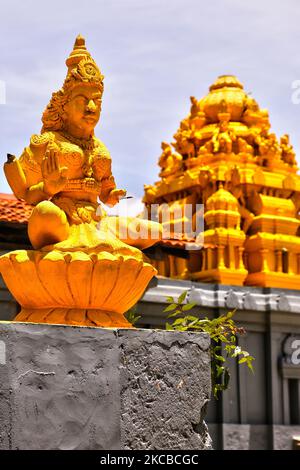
(65, 387)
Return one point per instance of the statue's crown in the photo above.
(81, 67)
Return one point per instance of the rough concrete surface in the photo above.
(165, 387)
(64, 387)
(283, 436)
(245, 437)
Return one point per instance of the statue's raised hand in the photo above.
(54, 176)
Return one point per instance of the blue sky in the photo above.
(154, 55)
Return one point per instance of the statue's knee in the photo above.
(47, 224)
(49, 211)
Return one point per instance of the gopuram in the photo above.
(225, 157)
(80, 271)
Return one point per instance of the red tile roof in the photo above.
(13, 210)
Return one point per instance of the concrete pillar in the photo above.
(64, 387)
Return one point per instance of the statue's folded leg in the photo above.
(133, 231)
(47, 224)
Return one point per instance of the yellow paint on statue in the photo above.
(80, 272)
(226, 158)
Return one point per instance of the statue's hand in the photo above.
(54, 176)
(114, 196)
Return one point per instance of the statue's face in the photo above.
(82, 111)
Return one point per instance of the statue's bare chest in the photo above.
(92, 163)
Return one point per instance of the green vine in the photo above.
(223, 333)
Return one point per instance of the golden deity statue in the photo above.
(170, 162)
(86, 267)
(246, 180)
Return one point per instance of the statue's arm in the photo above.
(107, 185)
(110, 195)
(15, 175)
(36, 175)
(36, 194)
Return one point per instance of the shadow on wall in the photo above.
(8, 306)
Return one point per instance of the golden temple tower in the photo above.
(225, 157)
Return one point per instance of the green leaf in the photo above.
(188, 306)
(219, 386)
(182, 297)
(216, 389)
(170, 307)
(168, 326)
(191, 318)
(170, 299)
(242, 360)
(179, 321)
(230, 314)
(174, 314)
(249, 363)
(230, 347)
(219, 337)
(219, 358)
(132, 316)
(194, 324)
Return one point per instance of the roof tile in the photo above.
(13, 209)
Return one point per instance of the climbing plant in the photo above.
(223, 333)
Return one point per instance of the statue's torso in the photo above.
(86, 167)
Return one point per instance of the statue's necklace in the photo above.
(82, 143)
